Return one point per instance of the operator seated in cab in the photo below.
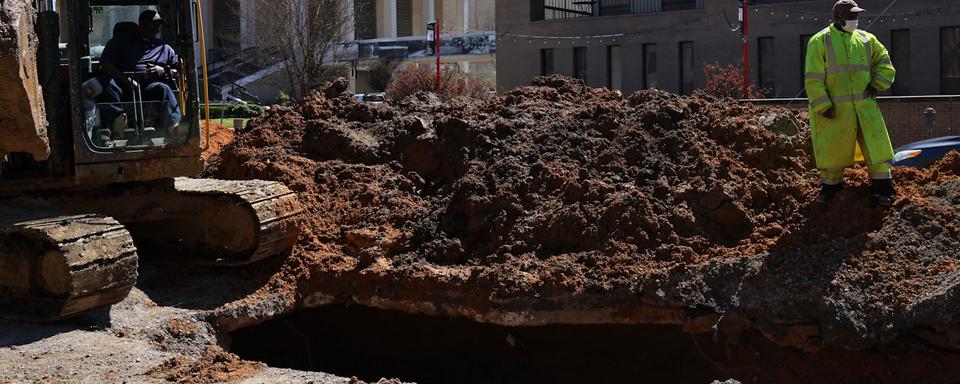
(143, 53)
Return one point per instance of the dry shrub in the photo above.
(416, 78)
(727, 81)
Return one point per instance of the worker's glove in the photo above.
(828, 113)
(870, 93)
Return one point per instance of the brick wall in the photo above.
(904, 115)
(906, 122)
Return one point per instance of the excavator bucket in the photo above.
(23, 127)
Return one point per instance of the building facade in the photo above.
(396, 30)
(664, 44)
(380, 30)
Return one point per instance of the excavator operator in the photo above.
(142, 53)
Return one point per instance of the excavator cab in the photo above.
(89, 144)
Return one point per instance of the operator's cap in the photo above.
(847, 5)
(151, 15)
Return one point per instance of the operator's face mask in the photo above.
(851, 25)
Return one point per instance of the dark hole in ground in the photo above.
(371, 343)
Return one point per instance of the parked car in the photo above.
(923, 153)
(375, 98)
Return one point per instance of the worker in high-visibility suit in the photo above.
(845, 69)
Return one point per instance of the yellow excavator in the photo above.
(80, 193)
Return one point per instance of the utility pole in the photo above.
(437, 42)
(745, 37)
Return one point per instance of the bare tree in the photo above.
(302, 36)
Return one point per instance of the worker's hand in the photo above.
(128, 82)
(870, 92)
(828, 113)
(155, 71)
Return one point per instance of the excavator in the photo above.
(80, 196)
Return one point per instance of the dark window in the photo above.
(614, 67)
(900, 55)
(365, 19)
(546, 62)
(649, 65)
(767, 66)
(677, 5)
(804, 41)
(615, 7)
(950, 60)
(404, 18)
(686, 68)
(580, 63)
(537, 11)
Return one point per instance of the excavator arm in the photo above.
(23, 126)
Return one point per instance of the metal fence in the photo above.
(569, 9)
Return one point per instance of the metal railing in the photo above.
(569, 9)
(413, 47)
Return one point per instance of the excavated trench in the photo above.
(372, 343)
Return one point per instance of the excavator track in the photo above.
(55, 266)
(207, 220)
(272, 208)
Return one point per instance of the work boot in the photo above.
(828, 192)
(882, 192)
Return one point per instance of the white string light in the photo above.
(804, 17)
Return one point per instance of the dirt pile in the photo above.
(215, 366)
(219, 137)
(559, 203)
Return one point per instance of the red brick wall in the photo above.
(906, 122)
(904, 115)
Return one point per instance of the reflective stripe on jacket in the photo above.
(839, 67)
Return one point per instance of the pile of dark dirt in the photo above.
(560, 203)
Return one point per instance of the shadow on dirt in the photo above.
(14, 333)
(176, 281)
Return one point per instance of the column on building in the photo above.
(392, 18)
(466, 15)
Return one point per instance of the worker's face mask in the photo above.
(851, 25)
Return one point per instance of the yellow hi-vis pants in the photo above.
(878, 171)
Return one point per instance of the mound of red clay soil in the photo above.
(215, 366)
(560, 203)
(219, 137)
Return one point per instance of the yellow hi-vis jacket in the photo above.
(839, 67)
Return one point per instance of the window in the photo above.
(678, 5)
(365, 19)
(900, 55)
(404, 18)
(766, 65)
(546, 62)
(804, 41)
(580, 63)
(686, 68)
(568, 9)
(950, 60)
(614, 68)
(649, 66)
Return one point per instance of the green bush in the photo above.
(284, 98)
(235, 110)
